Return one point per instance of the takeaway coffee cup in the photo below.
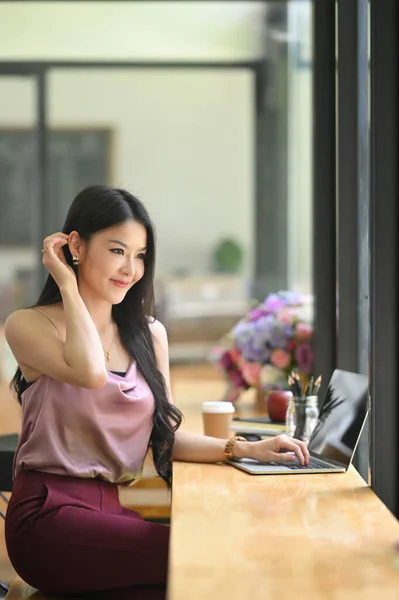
(217, 417)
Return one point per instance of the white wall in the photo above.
(300, 119)
(153, 146)
(187, 30)
(183, 142)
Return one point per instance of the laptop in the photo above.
(334, 440)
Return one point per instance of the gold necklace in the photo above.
(108, 354)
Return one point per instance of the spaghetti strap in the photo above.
(47, 317)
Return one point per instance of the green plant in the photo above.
(228, 256)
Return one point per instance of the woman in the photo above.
(93, 381)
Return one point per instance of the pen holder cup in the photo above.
(301, 417)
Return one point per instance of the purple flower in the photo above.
(290, 298)
(256, 314)
(256, 350)
(243, 330)
(279, 337)
(273, 303)
(274, 325)
(304, 357)
(288, 331)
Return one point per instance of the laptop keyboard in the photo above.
(314, 464)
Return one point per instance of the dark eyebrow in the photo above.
(125, 245)
(118, 242)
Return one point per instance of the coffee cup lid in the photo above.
(218, 407)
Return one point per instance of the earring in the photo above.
(76, 260)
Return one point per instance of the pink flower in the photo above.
(251, 372)
(303, 331)
(234, 355)
(304, 357)
(237, 379)
(286, 316)
(225, 361)
(280, 358)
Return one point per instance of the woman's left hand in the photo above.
(276, 449)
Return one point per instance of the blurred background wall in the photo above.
(182, 141)
(189, 142)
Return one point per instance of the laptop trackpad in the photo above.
(263, 467)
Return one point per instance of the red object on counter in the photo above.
(277, 404)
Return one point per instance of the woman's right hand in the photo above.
(54, 259)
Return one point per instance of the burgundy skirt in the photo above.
(71, 536)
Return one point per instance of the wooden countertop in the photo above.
(239, 536)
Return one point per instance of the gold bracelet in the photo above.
(229, 448)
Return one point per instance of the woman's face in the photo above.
(113, 261)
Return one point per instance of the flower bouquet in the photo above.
(272, 340)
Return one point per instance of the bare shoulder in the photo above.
(161, 348)
(158, 331)
(28, 320)
(160, 338)
(19, 320)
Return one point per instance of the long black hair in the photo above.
(94, 209)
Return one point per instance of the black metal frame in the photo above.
(348, 183)
(324, 187)
(353, 198)
(28, 67)
(384, 252)
(271, 225)
(41, 226)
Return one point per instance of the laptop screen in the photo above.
(342, 416)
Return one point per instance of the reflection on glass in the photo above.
(342, 416)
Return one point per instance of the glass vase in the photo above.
(301, 417)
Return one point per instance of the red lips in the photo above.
(122, 284)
